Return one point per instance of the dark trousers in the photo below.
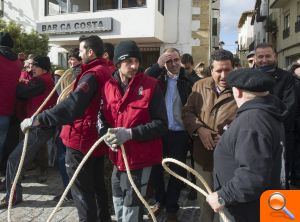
(88, 191)
(175, 146)
(61, 155)
(36, 140)
(128, 206)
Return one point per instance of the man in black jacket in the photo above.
(265, 60)
(176, 87)
(248, 158)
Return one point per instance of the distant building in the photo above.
(153, 24)
(245, 36)
(206, 28)
(288, 30)
(276, 22)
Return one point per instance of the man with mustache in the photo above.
(207, 113)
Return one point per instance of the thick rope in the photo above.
(78, 170)
(13, 188)
(196, 174)
(65, 93)
(134, 186)
(61, 200)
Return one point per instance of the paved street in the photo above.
(37, 204)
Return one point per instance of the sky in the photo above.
(231, 11)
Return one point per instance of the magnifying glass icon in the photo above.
(277, 202)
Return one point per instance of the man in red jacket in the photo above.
(133, 108)
(10, 69)
(108, 54)
(33, 92)
(78, 115)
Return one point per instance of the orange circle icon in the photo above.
(277, 201)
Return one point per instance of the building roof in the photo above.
(244, 17)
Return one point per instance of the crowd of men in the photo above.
(240, 125)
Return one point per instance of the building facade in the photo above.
(153, 24)
(245, 36)
(288, 31)
(277, 22)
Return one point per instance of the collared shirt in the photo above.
(169, 97)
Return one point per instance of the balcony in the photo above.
(297, 26)
(278, 3)
(286, 33)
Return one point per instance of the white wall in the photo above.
(178, 25)
(136, 22)
(23, 12)
(259, 32)
(246, 34)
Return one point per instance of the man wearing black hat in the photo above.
(10, 70)
(248, 158)
(134, 111)
(33, 93)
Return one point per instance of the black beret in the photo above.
(42, 62)
(252, 80)
(125, 50)
(6, 40)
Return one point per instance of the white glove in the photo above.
(117, 136)
(28, 123)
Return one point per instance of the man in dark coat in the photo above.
(248, 158)
(176, 87)
(284, 89)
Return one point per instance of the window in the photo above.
(63, 59)
(214, 26)
(106, 4)
(79, 5)
(161, 6)
(57, 7)
(286, 21)
(133, 3)
(286, 26)
(298, 12)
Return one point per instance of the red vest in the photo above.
(9, 75)
(82, 133)
(129, 111)
(20, 110)
(112, 68)
(34, 103)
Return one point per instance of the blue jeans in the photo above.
(4, 125)
(61, 155)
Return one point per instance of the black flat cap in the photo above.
(42, 62)
(6, 40)
(252, 80)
